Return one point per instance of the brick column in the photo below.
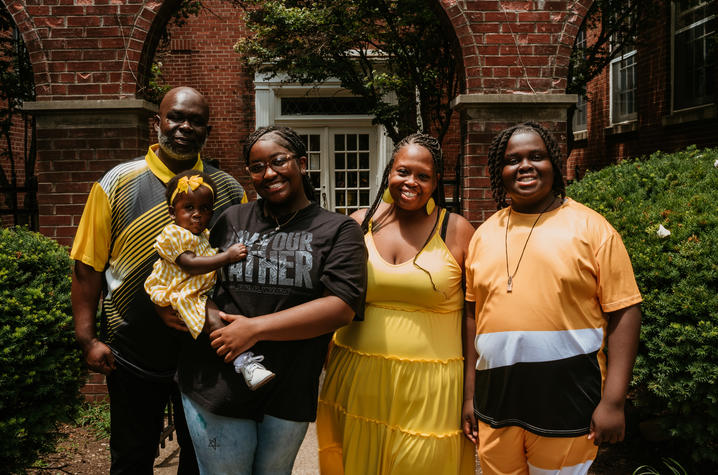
(77, 142)
(484, 115)
(95, 388)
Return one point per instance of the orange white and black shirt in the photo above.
(125, 212)
(541, 364)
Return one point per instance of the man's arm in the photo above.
(608, 422)
(86, 291)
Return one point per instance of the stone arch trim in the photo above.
(575, 13)
(24, 19)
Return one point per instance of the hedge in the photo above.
(677, 367)
(41, 368)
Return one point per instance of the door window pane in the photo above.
(351, 172)
(312, 143)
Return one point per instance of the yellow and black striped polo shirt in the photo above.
(124, 214)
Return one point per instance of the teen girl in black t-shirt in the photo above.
(304, 277)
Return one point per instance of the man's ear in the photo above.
(156, 122)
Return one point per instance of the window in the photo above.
(693, 53)
(324, 106)
(623, 88)
(580, 115)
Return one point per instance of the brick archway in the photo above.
(516, 63)
(460, 22)
(92, 59)
(512, 46)
(25, 22)
(150, 25)
(148, 20)
(90, 51)
(573, 21)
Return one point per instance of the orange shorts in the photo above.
(516, 451)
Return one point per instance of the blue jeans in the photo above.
(225, 445)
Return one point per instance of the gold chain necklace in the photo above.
(510, 282)
(281, 225)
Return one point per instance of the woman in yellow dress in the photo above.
(392, 398)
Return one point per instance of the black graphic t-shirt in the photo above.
(317, 251)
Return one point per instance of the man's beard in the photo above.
(169, 148)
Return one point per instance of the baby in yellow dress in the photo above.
(185, 271)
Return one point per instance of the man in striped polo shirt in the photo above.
(113, 252)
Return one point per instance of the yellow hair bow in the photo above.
(189, 183)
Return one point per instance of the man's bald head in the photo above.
(183, 93)
(181, 125)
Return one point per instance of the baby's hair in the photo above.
(172, 184)
(422, 140)
(287, 138)
(497, 150)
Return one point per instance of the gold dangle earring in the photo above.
(430, 205)
(386, 197)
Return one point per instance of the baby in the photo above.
(185, 271)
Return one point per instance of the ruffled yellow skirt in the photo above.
(391, 401)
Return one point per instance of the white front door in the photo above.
(340, 164)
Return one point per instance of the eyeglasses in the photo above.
(278, 164)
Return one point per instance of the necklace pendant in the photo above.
(277, 228)
(509, 285)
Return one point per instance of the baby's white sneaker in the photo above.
(255, 374)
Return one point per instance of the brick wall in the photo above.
(95, 388)
(88, 50)
(512, 46)
(69, 161)
(101, 49)
(605, 145)
(200, 54)
(509, 47)
(451, 149)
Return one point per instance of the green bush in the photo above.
(41, 369)
(676, 371)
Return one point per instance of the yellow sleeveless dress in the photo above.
(391, 400)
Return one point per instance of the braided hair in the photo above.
(496, 160)
(284, 137)
(422, 140)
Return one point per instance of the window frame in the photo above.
(614, 115)
(709, 98)
(580, 114)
